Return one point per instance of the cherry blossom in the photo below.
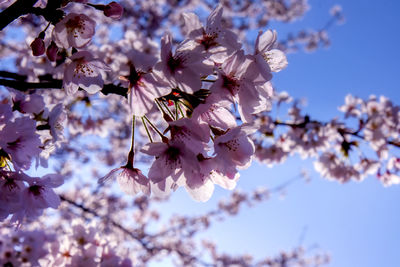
(264, 52)
(215, 112)
(38, 195)
(184, 68)
(131, 180)
(241, 81)
(20, 141)
(57, 119)
(25, 103)
(235, 147)
(84, 71)
(214, 38)
(75, 30)
(172, 159)
(144, 86)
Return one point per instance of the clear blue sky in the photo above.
(357, 223)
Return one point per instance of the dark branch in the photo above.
(11, 75)
(19, 8)
(23, 86)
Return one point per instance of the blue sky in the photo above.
(357, 223)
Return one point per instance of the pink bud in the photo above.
(113, 10)
(51, 52)
(38, 47)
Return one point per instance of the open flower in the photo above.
(131, 180)
(214, 39)
(20, 141)
(171, 160)
(265, 54)
(241, 80)
(38, 195)
(75, 30)
(84, 71)
(182, 69)
(144, 86)
(235, 148)
(27, 103)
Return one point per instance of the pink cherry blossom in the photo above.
(27, 103)
(20, 141)
(144, 85)
(75, 30)
(240, 80)
(267, 57)
(182, 69)
(215, 113)
(352, 106)
(217, 41)
(29, 195)
(84, 71)
(11, 186)
(191, 134)
(235, 148)
(171, 160)
(39, 195)
(131, 180)
(200, 182)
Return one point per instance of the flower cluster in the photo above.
(28, 131)
(335, 144)
(103, 242)
(80, 245)
(194, 87)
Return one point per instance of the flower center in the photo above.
(75, 25)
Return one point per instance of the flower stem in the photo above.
(164, 139)
(176, 110)
(131, 154)
(166, 107)
(147, 130)
(180, 108)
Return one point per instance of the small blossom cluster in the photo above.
(81, 245)
(335, 144)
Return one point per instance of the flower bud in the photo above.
(38, 47)
(51, 51)
(113, 10)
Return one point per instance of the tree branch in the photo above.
(23, 86)
(19, 8)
